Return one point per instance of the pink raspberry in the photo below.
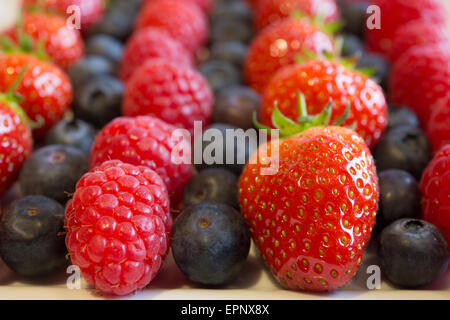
(118, 226)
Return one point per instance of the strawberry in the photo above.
(205, 5)
(435, 188)
(438, 126)
(175, 93)
(143, 141)
(324, 80)
(396, 13)
(278, 45)
(269, 11)
(313, 217)
(149, 43)
(91, 11)
(183, 20)
(45, 89)
(62, 44)
(15, 136)
(415, 33)
(420, 77)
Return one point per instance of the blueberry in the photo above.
(405, 148)
(99, 100)
(118, 21)
(220, 74)
(87, 68)
(401, 116)
(75, 133)
(231, 9)
(231, 29)
(237, 151)
(53, 171)
(230, 51)
(212, 185)
(412, 253)
(32, 236)
(351, 45)
(399, 197)
(105, 46)
(210, 243)
(353, 16)
(379, 64)
(236, 105)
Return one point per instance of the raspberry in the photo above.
(151, 43)
(175, 93)
(435, 188)
(118, 226)
(142, 141)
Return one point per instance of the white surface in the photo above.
(254, 282)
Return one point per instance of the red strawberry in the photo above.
(118, 226)
(253, 3)
(395, 13)
(91, 10)
(149, 43)
(183, 20)
(278, 45)
(313, 217)
(435, 188)
(62, 44)
(321, 81)
(438, 127)
(45, 89)
(205, 5)
(143, 141)
(269, 11)
(415, 33)
(175, 93)
(420, 77)
(16, 140)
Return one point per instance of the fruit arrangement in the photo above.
(190, 129)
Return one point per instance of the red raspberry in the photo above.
(435, 188)
(175, 93)
(151, 43)
(205, 5)
(395, 13)
(118, 226)
(420, 77)
(438, 127)
(415, 33)
(183, 20)
(143, 141)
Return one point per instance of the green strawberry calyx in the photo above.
(25, 43)
(288, 127)
(12, 100)
(319, 21)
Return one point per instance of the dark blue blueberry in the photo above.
(212, 185)
(32, 236)
(210, 243)
(399, 197)
(230, 51)
(231, 29)
(220, 74)
(236, 105)
(105, 46)
(412, 253)
(75, 133)
(402, 116)
(53, 171)
(87, 68)
(240, 149)
(353, 16)
(118, 21)
(99, 100)
(351, 45)
(405, 148)
(380, 66)
(231, 9)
